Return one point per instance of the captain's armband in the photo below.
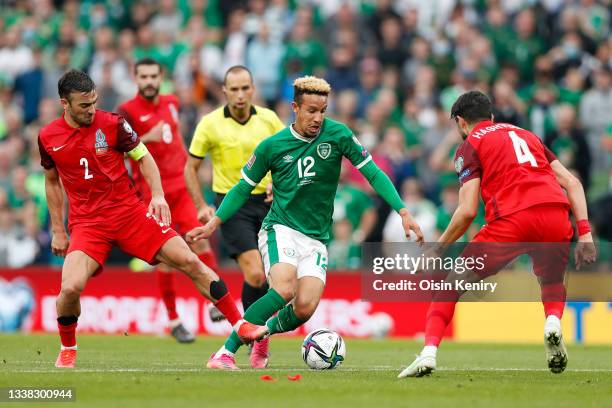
(138, 152)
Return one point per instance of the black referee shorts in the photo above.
(239, 233)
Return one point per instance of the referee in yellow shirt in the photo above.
(229, 135)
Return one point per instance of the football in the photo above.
(323, 349)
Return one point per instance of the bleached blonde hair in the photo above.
(310, 85)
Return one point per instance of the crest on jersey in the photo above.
(174, 112)
(324, 150)
(459, 164)
(101, 143)
(290, 252)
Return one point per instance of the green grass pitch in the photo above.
(141, 371)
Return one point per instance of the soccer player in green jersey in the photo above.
(305, 160)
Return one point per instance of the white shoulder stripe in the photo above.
(363, 163)
(247, 179)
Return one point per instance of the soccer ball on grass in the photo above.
(323, 349)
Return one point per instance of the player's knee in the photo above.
(191, 264)
(305, 308)
(71, 289)
(255, 277)
(287, 292)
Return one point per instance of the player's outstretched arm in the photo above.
(232, 202)
(464, 214)
(205, 212)
(383, 186)
(585, 250)
(55, 202)
(158, 207)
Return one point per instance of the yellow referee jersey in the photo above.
(231, 143)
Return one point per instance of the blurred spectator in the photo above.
(569, 144)
(423, 211)
(595, 109)
(525, 46)
(168, 18)
(343, 252)
(15, 57)
(507, 107)
(29, 88)
(369, 82)
(391, 51)
(342, 73)
(264, 58)
(395, 149)
(541, 97)
(304, 54)
(234, 52)
(356, 206)
(345, 108)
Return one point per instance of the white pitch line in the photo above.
(345, 369)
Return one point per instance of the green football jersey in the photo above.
(305, 174)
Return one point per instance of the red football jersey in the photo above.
(169, 153)
(90, 163)
(513, 166)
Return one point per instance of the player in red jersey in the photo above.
(82, 153)
(155, 118)
(522, 186)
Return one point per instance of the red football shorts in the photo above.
(543, 232)
(131, 230)
(183, 210)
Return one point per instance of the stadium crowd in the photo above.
(395, 67)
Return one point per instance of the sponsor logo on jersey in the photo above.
(173, 112)
(251, 161)
(459, 164)
(288, 158)
(101, 143)
(290, 252)
(55, 149)
(304, 182)
(324, 150)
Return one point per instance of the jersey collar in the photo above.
(300, 137)
(145, 101)
(228, 114)
(481, 125)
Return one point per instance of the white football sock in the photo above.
(222, 351)
(552, 322)
(69, 348)
(174, 323)
(429, 351)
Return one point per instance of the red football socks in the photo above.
(227, 306)
(439, 316)
(168, 294)
(553, 299)
(67, 334)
